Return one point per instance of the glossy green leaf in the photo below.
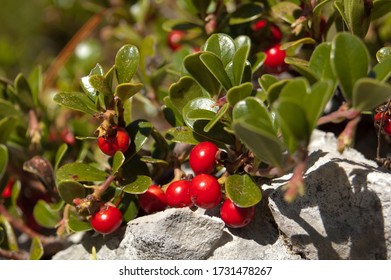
(138, 184)
(217, 117)
(383, 54)
(266, 81)
(301, 66)
(219, 133)
(216, 67)
(259, 60)
(36, 249)
(242, 190)
(201, 73)
(184, 134)
(81, 172)
(77, 101)
(99, 83)
(7, 126)
(109, 77)
(238, 93)
(319, 6)
(139, 132)
(77, 225)
(357, 16)
(171, 113)
(369, 93)
(382, 70)
(126, 63)
(45, 215)
(320, 63)
(127, 90)
(238, 64)
(70, 190)
(10, 242)
(118, 160)
(183, 91)
(222, 45)
(295, 90)
(129, 207)
(3, 160)
(59, 155)
(199, 108)
(349, 61)
(246, 13)
(316, 101)
(286, 11)
(275, 90)
(293, 122)
(252, 123)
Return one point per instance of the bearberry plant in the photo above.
(193, 111)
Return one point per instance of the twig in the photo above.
(67, 51)
(21, 226)
(11, 255)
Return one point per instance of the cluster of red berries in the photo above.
(386, 122)
(203, 190)
(120, 141)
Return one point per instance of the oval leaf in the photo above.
(127, 90)
(59, 155)
(216, 67)
(45, 215)
(349, 61)
(184, 134)
(36, 249)
(238, 93)
(138, 184)
(80, 172)
(246, 13)
(76, 101)
(126, 63)
(183, 91)
(369, 93)
(383, 53)
(76, 225)
(221, 45)
(118, 160)
(201, 73)
(70, 190)
(242, 190)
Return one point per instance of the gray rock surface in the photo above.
(345, 212)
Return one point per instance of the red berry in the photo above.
(275, 57)
(107, 219)
(259, 25)
(118, 142)
(202, 158)
(276, 33)
(387, 126)
(7, 192)
(178, 194)
(174, 39)
(235, 216)
(205, 191)
(153, 200)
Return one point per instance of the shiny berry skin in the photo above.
(275, 57)
(174, 39)
(178, 194)
(202, 158)
(118, 142)
(234, 216)
(386, 121)
(205, 191)
(7, 192)
(107, 220)
(153, 200)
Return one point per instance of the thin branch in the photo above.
(67, 51)
(11, 255)
(21, 226)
